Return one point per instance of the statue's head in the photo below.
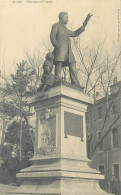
(47, 67)
(49, 56)
(63, 17)
(48, 64)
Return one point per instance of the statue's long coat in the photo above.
(60, 38)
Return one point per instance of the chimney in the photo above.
(116, 84)
(114, 80)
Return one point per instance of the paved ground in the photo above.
(6, 188)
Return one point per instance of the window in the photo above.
(114, 109)
(115, 137)
(100, 112)
(94, 114)
(101, 169)
(87, 117)
(116, 171)
(100, 147)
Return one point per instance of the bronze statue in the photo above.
(48, 79)
(63, 55)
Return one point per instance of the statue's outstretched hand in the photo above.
(87, 19)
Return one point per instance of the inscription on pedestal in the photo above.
(73, 124)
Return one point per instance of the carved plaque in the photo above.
(48, 131)
(48, 135)
(73, 124)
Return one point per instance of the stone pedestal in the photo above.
(60, 163)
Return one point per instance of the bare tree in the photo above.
(35, 61)
(94, 65)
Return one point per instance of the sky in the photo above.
(24, 26)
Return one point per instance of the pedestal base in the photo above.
(60, 187)
(59, 176)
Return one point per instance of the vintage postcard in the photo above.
(60, 97)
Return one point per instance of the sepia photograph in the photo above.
(60, 97)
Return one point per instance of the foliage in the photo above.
(11, 164)
(14, 107)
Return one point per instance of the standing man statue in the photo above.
(63, 55)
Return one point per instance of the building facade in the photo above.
(104, 135)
